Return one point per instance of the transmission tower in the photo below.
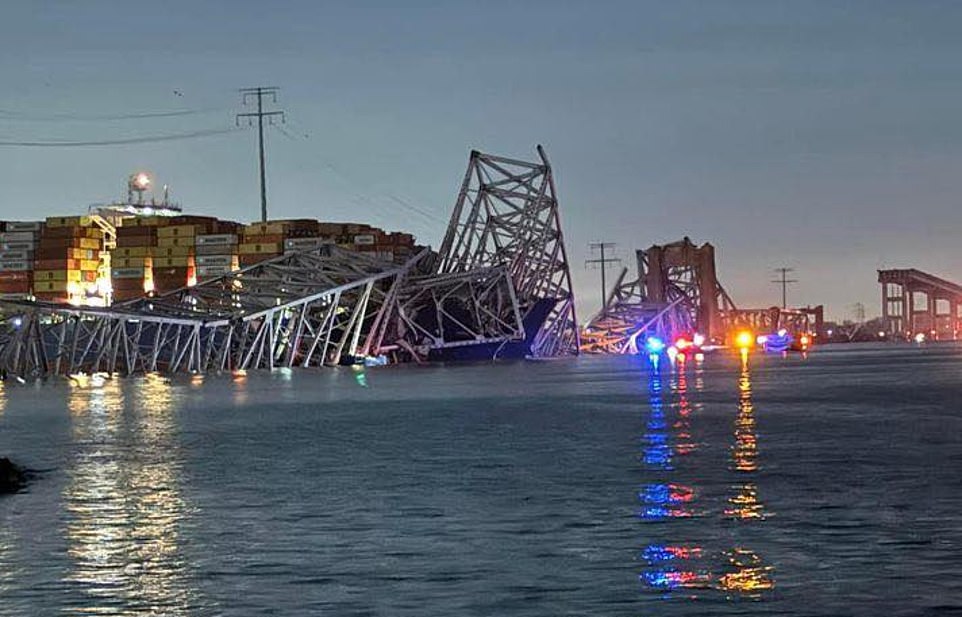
(259, 93)
(784, 281)
(602, 262)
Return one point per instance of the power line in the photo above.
(8, 114)
(115, 142)
(430, 216)
(259, 93)
(784, 282)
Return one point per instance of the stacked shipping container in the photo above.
(59, 260)
(216, 254)
(18, 241)
(262, 241)
(67, 259)
(132, 260)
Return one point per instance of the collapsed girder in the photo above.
(506, 216)
(450, 310)
(303, 309)
(676, 291)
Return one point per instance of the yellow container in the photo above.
(130, 262)
(257, 249)
(151, 221)
(177, 231)
(173, 262)
(69, 221)
(89, 243)
(89, 264)
(176, 240)
(57, 275)
(173, 251)
(261, 229)
(81, 254)
(49, 286)
(132, 251)
(94, 232)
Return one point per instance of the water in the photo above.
(783, 486)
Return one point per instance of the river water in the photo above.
(826, 485)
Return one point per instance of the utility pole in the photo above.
(784, 282)
(859, 309)
(259, 93)
(603, 263)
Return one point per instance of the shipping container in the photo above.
(221, 240)
(18, 246)
(176, 241)
(15, 265)
(215, 260)
(57, 275)
(40, 287)
(215, 249)
(181, 231)
(69, 221)
(304, 244)
(17, 236)
(132, 251)
(128, 273)
(261, 229)
(143, 240)
(172, 262)
(266, 248)
(262, 238)
(130, 262)
(16, 255)
(56, 264)
(34, 226)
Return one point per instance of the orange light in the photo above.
(744, 339)
(682, 344)
(805, 340)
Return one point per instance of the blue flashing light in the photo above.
(654, 345)
(655, 553)
(778, 342)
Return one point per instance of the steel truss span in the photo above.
(507, 215)
(502, 263)
(304, 309)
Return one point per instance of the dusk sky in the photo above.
(823, 136)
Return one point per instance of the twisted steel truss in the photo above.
(502, 262)
(304, 309)
(675, 293)
(507, 215)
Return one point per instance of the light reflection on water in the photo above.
(745, 571)
(688, 566)
(123, 499)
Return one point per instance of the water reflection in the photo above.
(669, 567)
(123, 499)
(239, 380)
(744, 503)
(690, 567)
(656, 451)
(744, 572)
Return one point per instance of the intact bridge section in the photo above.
(916, 302)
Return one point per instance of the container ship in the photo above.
(134, 248)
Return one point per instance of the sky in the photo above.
(821, 136)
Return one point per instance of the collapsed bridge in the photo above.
(500, 285)
(676, 292)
